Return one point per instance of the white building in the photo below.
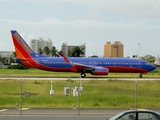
(157, 61)
(35, 44)
(6, 53)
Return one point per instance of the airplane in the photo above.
(95, 66)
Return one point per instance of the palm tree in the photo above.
(53, 51)
(77, 51)
(70, 53)
(60, 53)
(46, 50)
(40, 51)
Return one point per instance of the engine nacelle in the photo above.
(100, 71)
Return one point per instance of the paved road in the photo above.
(47, 111)
(59, 114)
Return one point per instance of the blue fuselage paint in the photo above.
(113, 64)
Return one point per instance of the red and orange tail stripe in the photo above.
(22, 49)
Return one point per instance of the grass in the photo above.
(41, 73)
(95, 94)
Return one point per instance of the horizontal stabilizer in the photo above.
(22, 59)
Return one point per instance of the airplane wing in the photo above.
(78, 64)
(95, 70)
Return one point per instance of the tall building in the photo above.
(40, 43)
(65, 48)
(113, 50)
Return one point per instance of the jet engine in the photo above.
(100, 71)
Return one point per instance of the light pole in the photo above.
(136, 93)
(79, 97)
(21, 96)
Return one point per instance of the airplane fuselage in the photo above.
(125, 65)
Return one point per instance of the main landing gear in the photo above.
(82, 75)
(140, 76)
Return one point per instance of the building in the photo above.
(113, 50)
(65, 48)
(157, 63)
(6, 54)
(40, 43)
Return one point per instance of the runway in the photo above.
(59, 78)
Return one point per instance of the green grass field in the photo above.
(41, 73)
(96, 93)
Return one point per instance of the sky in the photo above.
(135, 23)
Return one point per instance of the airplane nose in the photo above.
(153, 67)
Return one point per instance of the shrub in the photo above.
(18, 66)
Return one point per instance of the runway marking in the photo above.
(23, 108)
(3, 110)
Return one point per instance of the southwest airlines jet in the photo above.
(95, 66)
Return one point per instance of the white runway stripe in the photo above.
(3, 110)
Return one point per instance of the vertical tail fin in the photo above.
(21, 47)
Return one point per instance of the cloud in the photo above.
(140, 8)
(82, 23)
(86, 21)
(97, 8)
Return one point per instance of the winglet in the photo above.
(65, 58)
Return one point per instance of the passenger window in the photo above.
(128, 116)
(147, 116)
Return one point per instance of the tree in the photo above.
(46, 50)
(70, 53)
(77, 51)
(40, 51)
(53, 51)
(4, 60)
(94, 56)
(60, 53)
(0, 57)
(151, 59)
(14, 55)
